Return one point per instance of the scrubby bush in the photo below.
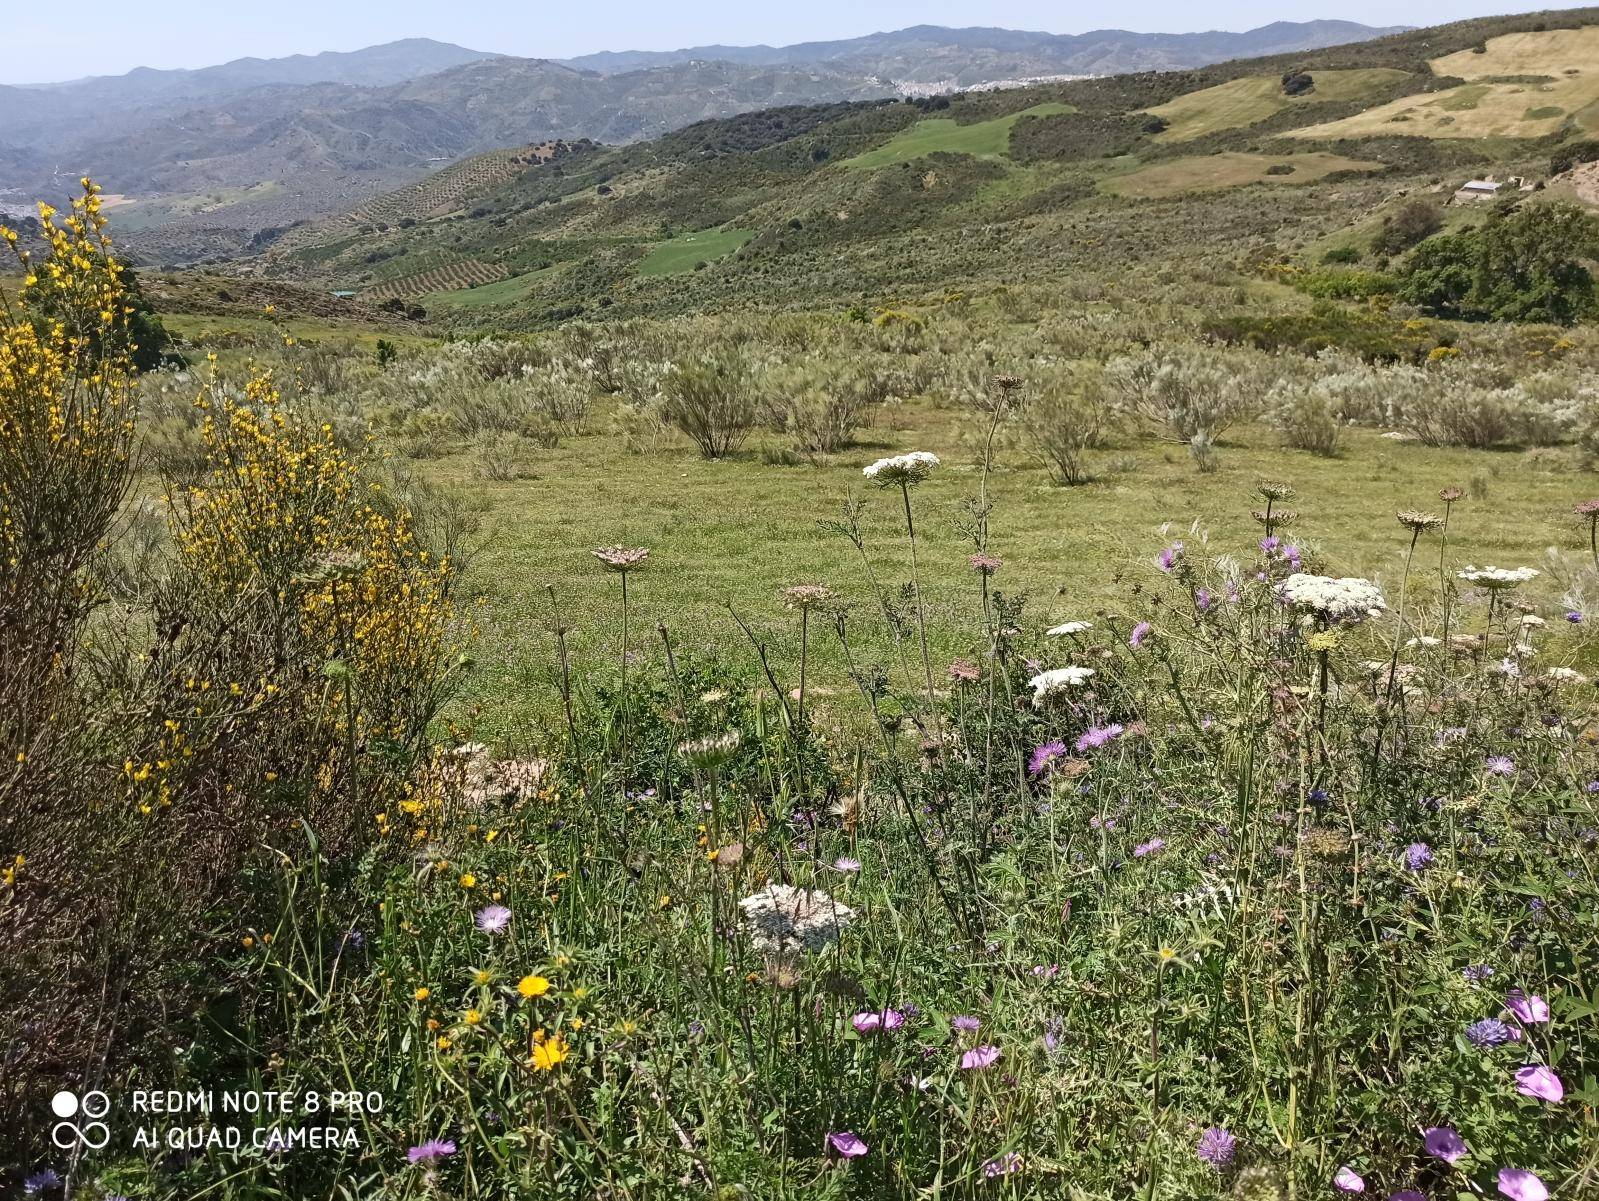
(1186, 391)
(711, 399)
(1062, 416)
(820, 402)
(1306, 417)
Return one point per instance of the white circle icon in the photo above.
(64, 1104)
(92, 1134)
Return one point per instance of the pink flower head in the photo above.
(1443, 1143)
(1521, 1185)
(846, 1144)
(493, 919)
(1002, 1165)
(964, 1021)
(1528, 1010)
(434, 1148)
(1140, 632)
(1347, 1180)
(1535, 1080)
(979, 1057)
(870, 1023)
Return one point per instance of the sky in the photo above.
(108, 37)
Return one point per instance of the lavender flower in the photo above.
(1167, 559)
(1098, 736)
(870, 1023)
(41, 1181)
(964, 1021)
(1490, 1032)
(1002, 1165)
(493, 919)
(1417, 856)
(1500, 765)
(1140, 632)
(979, 1057)
(1045, 755)
(1521, 1185)
(1539, 1082)
(1529, 1011)
(847, 1144)
(845, 864)
(1217, 1146)
(434, 1148)
(1443, 1143)
(1476, 973)
(1346, 1180)
(1153, 846)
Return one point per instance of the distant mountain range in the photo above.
(257, 143)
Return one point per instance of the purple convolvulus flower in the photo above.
(868, 1023)
(1140, 632)
(1347, 1180)
(1168, 558)
(1490, 1032)
(1521, 1185)
(1529, 1011)
(979, 1057)
(434, 1148)
(1443, 1143)
(847, 1144)
(1002, 1165)
(40, 1181)
(493, 919)
(1417, 856)
(1153, 846)
(1045, 754)
(1097, 736)
(965, 1021)
(1217, 1146)
(1535, 1080)
(1500, 765)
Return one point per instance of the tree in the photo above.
(1413, 222)
(1439, 274)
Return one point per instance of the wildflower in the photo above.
(549, 1053)
(1168, 559)
(1497, 579)
(904, 470)
(784, 919)
(1530, 1011)
(964, 1021)
(847, 1144)
(979, 1057)
(1450, 494)
(846, 864)
(871, 1023)
(1476, 973)
(1347, 598)
(986, 565)
(1069, 627)
(1417, 856)
(804, 596)
(710, 753)
(1345, 1180)
(1275, 490)
(1057, 680)
(473, 1017)
(1217, 1147)
(42, 1180)
(622, 558)
(422, 993)
(1535, 1080)
(1521, 1185)
(1443, 1143)
(1002, 1165)
(963, 671)
(434, 1148)
(1419, 523)
(1574, 617)
(493, 919)
(1490, 1032)
(1043, 755)
(1500, 765)
(468, 881)
(532, 986)
(1098, 736)
(1140, 632)
(1153, 846)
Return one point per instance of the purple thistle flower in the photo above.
(493, 919)
(1443, 1143)
(964, 1021)
(1476, 973)
(1044, 755)
(1417, 856)
(1203, 600)
(1346, 1180)
(979, 1057)
(1574, 617)
(1529, 1011)
(1270, 543)
(1098, 736)
(40, 1181)
(1500, 765)
(1490, 1032)
(1140, 632)
(1167, 559)
(870, 1023)
(434, 1148)
(1151, 847)
(1217, 1146)
(1002, 1165)
(847, 1144)
(1537, 1081)
(1521, 1185)
(845, 864)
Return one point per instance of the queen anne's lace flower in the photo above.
(1069, 627)
(1348, 598)
(784, 919)
(1047, 683)
(1497, 578)
(910, 468)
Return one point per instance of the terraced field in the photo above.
(1212, 172)
(505, 291)
(1241, 102)
(1523, 85)
(981, 139)
(449, 278)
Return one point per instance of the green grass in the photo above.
(1240, 102)
(981, 139)
(684, 251)
(502, 291)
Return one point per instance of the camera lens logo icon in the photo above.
(92, 1134)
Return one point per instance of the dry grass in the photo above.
(1232, 169)
(1253, 98)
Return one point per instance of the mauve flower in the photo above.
(1346, 1180)
(434, 1148)
(1203, 600)
(1002, 1165)
(1476, 973)
(492, 919)
(1443, 1143)
(1535, 1080)
(1574, 617)
(979, 1057)
(1417, 856)
(888, 1019)
(845, 864)
(1490, 1032)
(1151, 847)
(1044, 755)
(1528, 1010)
(1217, 1146)
(1140, 632)
(1167, 559)
(44, 1178)
(848, 1145)
(1521, 1185)
(1500, 765)
(1097, 736)
(963, 1021)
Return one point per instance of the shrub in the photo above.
(1062, 416)
(1305, 418)
(1185, 391)
(711, 399)
(821, 404)
(1412, 222)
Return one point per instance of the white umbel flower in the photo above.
(1069, 627)
(784, 920)
(1346, 598)
(1058, 679)
(1496, 579)
(1565, 675)
(910, 468)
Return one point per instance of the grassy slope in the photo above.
(1253, 98)
(681, 253)
(980, 139)
(1231, 169)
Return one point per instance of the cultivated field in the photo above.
(1252, 98)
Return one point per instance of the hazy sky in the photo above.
(108, 37)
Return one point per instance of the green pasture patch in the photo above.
(681, 253)
(981, 139)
